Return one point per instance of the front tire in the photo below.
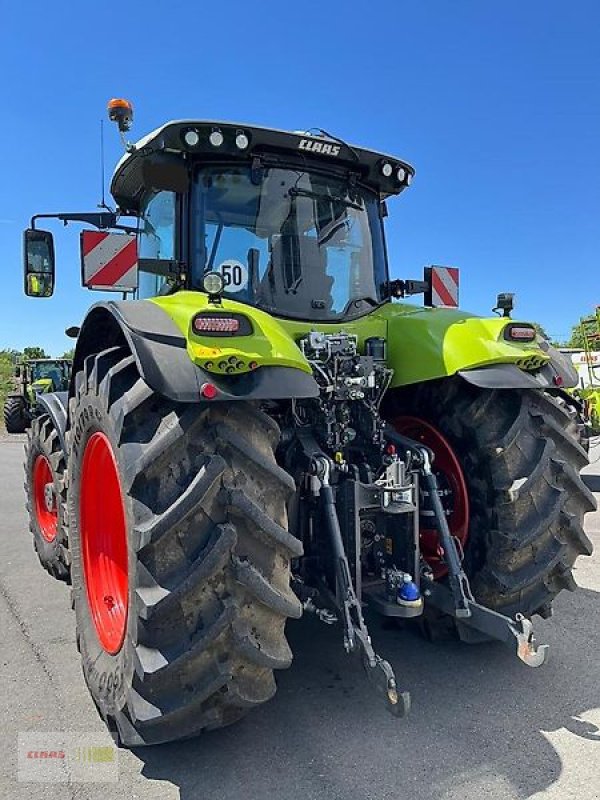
(181, 554)
(520, 458)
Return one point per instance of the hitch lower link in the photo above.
(456, 599)
(356, 636)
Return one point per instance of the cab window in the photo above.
(157, 241)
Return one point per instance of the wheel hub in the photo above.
(44, 500)
(49, 496)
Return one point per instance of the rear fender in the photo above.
(428, 344)
(55, 405)
(170, 357)
(556, 374)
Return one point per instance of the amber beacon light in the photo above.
(121, 112)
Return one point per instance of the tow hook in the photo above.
(517, 631)
(527, 650)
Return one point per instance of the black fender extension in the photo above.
(55, 404)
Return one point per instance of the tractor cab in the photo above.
(291, 223)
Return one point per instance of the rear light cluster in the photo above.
(216, 325)
(229, 366)
(221, 323)
(519, 333)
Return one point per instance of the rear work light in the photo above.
(519, 333)
(221, 323)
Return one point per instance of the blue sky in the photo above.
(496, 103)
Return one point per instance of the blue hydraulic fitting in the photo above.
(408, 591)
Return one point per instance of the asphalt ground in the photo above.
(482, 726)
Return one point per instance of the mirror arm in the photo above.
(100, 219)
(402, 288)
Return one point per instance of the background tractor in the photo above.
(265, 430)
(588, 368)
(585, 396)
(34, 377)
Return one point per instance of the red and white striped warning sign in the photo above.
(443, 283)
(109, 261)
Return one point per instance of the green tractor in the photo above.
(269, 428)
(589, 370)
(35, 376)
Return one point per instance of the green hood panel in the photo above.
(42, 385)
(428, 343)
(423, 343)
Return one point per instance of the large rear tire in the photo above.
(520, 458)
(16, 418)
(181, 554)
(45, 492)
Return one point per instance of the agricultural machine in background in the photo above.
(264, 431)
(34, 376)
(589, 369)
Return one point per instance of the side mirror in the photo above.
(38, 263)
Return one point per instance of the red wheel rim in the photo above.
(44, 498)
(450, 476)
(104, 543)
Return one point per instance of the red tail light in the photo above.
(216, 325)
(221, 323)
(519, 333)
(209, 391)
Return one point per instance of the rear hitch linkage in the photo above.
(356, 636)
(458, 600)
(454, 599)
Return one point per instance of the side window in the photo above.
(157, 240)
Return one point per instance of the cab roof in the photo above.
(209, 141)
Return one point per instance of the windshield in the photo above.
(294, 243)
(50, 370)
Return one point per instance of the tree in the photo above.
(540, 330)
(8, 359)
(34, 352)
(69, 353)
(576, 338)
